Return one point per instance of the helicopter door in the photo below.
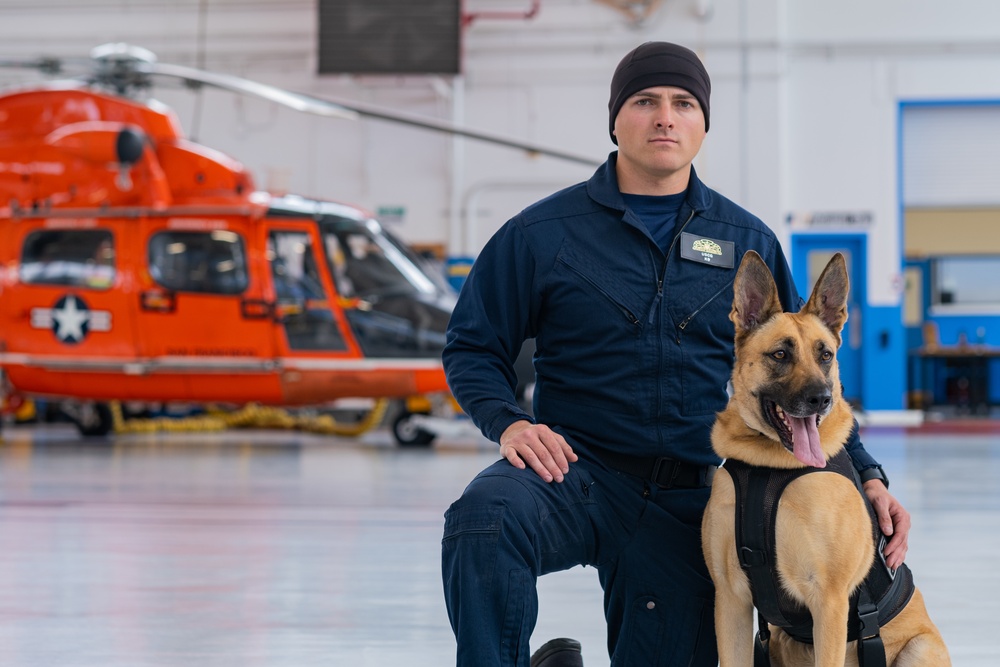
(302, 300)
(203, 323)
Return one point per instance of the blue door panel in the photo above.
(810, 252)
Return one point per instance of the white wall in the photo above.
(804, 105)
(850, 64)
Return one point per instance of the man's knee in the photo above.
(490, 501)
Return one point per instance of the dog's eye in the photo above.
(826, 356)
(779, 355)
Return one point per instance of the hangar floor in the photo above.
(276, 548)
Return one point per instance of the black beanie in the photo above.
(658, 64)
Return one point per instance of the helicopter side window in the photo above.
(73, 257)
(209, 262)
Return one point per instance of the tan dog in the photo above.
(787, 412)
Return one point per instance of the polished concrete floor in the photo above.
(283, 549)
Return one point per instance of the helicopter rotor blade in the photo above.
(44, 64)
(239, 85)
(352, 110)
(125, 69)
(448, 128)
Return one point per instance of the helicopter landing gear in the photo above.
(90, 418)
(407, 430)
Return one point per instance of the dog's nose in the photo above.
(820, 400)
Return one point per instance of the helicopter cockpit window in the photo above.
(75, 257)
(368, 264)
(301, 303)
(212, 262)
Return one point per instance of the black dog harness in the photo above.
(878, 600)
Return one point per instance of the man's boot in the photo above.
(560, 652)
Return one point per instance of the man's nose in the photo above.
(665, 118)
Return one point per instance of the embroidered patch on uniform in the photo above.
(707, 251)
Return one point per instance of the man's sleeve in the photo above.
(860, 457)
(490, 322)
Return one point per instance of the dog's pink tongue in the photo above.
(805, 441)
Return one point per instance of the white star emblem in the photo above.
(70, 320)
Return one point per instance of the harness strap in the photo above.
(751, 531)
(761, 647)
(871, 650)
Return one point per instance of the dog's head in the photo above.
(785, 379)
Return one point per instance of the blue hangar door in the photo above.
(810, 254)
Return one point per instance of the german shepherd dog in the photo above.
(786, 412)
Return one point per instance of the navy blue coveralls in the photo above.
(634, 351)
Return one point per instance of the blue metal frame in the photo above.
(852, 361)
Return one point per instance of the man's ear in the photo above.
(755, 296)
(828, 301)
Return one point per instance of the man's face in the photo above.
(659, 131)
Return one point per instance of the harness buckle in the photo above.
(751, 558)
(868, 615)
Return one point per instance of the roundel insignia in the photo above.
(70, 319)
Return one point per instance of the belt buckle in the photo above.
(674, 471)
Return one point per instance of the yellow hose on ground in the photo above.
(252, 415)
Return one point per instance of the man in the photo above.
(625, 282)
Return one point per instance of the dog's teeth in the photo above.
(781, 415)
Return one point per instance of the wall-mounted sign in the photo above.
(393, 215)
(831, 220)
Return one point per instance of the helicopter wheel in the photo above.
(408, 433)
(91, 418)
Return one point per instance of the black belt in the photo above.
(665, 472)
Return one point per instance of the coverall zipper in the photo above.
(660, 280)
(690, 317)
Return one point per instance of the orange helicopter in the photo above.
(137, 265)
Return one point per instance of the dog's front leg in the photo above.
(734, 627)
(830, 630)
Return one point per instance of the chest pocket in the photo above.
(699, 304)
(610, 287)
(596, 328)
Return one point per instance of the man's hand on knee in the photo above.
(536, 445)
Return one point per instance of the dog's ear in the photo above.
(755, 296)
(828, 301)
